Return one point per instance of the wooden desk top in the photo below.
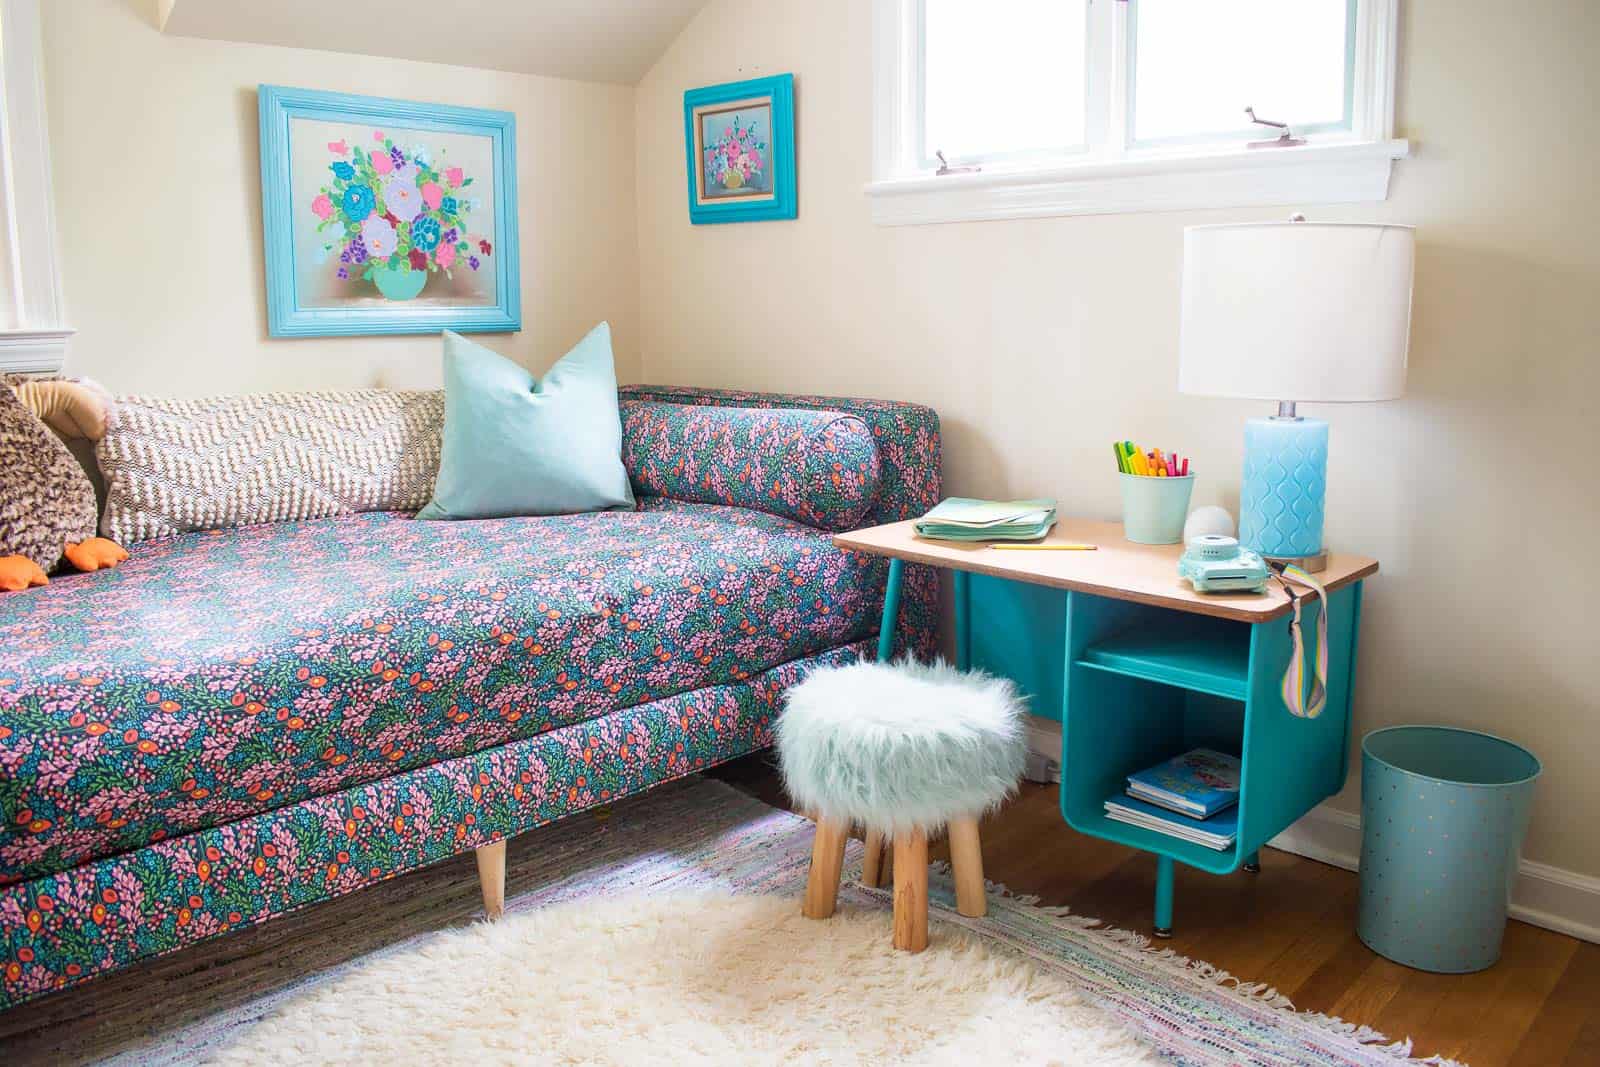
(1119, 569)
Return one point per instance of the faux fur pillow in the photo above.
(45, 498)
(172, 466)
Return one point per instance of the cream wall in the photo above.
(158, 195)
(1041, 341)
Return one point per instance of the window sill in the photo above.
(1312, 174)
(33, 351)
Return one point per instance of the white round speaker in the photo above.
(1207, 520)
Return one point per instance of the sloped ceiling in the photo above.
(589, 40)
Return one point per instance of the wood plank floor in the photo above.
(1292, 926)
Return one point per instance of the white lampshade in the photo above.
(1296, 311)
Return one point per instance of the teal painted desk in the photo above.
(1138, 667)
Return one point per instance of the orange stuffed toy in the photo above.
(47, 505)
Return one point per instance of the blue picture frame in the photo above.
(290, 314)
(736, 175)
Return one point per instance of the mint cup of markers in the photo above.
(1155, 494)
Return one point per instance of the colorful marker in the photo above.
(1154, 463)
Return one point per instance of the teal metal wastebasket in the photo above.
(1443, 812)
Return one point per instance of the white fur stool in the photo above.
(902, 750)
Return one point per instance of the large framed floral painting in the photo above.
(739, 143)
(387, 216)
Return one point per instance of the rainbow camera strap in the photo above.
(1294, 676)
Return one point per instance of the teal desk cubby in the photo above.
(1138, 667)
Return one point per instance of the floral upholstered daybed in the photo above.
(239, 722)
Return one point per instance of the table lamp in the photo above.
(1293, 311)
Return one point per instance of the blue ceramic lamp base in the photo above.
(1285, 482)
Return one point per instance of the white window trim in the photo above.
(1351, 168)
(33, 330)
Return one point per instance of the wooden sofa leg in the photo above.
(966, 863)
(492, 877)
(872, 860)
(827, 860)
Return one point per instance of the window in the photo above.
(990, 92)
(1012, 108)
(32, 334)
(1195, 66)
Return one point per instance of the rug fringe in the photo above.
(1255, 992)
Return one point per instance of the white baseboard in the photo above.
(1326, 835)
(1546, 896)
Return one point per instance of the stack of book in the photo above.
(1193, 797)
(960, 519)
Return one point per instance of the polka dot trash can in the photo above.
(1443, 812)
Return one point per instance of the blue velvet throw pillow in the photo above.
(519, 445)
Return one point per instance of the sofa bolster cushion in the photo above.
(176, 465)
(816, 467)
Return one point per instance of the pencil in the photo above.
(1062, 547)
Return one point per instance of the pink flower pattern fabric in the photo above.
(236, 723)
(61, 928)
(817, 467)
(214, 677)
(910, 464)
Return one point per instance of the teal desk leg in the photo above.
(963, 605)
(1252, 863)
(1164, 874)
(891, 611)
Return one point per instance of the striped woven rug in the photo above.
(700, 834)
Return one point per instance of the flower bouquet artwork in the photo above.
(736, 162)
(395, 218)
(387, 216)
(739, 139)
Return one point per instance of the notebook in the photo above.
(963, 519)
(1198, 783)
(1217, 832)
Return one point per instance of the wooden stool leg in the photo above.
(872, 860)
(966, 863)
(911, 891)
(827, 860)
(492, 878)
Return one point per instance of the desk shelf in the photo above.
(1211, 860)
(1187, 651)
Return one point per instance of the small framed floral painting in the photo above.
(739, 142)
(387, 216)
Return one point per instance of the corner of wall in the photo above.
(648, 111)
(642, 312)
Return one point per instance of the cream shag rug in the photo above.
(694, 978)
